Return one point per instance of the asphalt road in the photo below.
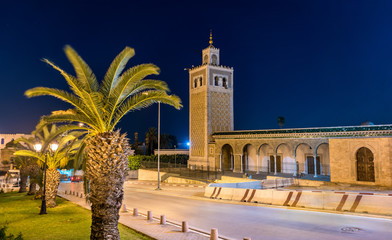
(236, 221)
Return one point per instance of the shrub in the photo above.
(3, 235)
(134, 162)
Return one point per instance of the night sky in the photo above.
(317, 63)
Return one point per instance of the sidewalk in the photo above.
(153, 229)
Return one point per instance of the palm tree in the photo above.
(67, 147)
(151, 140)
(99, 107)
(281, 121)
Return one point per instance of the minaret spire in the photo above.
(210, 38)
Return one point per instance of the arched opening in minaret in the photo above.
(214, 59)
(205, 59)
(201, 81)
(216, 81)
(224, 83)
(227, 158)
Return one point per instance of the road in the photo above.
(236, 221)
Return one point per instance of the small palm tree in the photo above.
(67, 147)
(99, 107)
(281, 121)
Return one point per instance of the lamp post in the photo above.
(175, 156)
(159, 142)
(38, 147)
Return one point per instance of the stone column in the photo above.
(242, 167)
(258, 164)
(315, 164)
(276, 169)
(232, 161)
(295, 167)
(220, 162)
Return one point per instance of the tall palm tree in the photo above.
(151, 139)
(99, 107)
(67, 147)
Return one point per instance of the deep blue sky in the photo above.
(317, 63)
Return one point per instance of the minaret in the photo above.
(210, 104)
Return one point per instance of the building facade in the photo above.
(354, 154)
(6, 155)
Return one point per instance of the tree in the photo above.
(67, 147)
(168, 141)
(27, 166)
(281, 121)
(99, 107)
(151, 140)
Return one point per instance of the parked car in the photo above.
(64, 177)
(12, 177)
(76, 178)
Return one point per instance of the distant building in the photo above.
(6, 155)
(354, 154)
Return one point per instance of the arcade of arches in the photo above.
(358, 155)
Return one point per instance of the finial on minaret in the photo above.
(210, 38)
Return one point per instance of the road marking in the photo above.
(213, 193)
(356, 202)
(297, 199)
(245, 195)
(218, 192)
(252, 195)
(286, 203)
(342, 202)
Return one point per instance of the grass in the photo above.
(66, 221)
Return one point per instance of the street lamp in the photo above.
(159, 142)
(38, 148)
(175, 156)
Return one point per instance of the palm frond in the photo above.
(71, 80)
(83, 72)
(29, 153)
(127, 80)
(115, 69)
(60, 94)
(140, 101)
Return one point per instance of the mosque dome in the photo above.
(367, 123)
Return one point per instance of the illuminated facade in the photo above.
(355, 154)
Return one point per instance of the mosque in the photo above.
(351, 154)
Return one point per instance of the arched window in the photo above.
(214, 59)
(205, 59)
(216, 81)
(201, 81)
(365, 165)
(225, 83)
(2, 141)
(195, 83)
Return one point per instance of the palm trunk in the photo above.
(52, 184)
(23, 179)
(32, 188)
(34, 172)
(106, 169)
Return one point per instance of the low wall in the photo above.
(133, 174)
(249, 185)
(253, 184)
(300, 182)
(327, 200)
(174, 179)
(150, 175)
(226, 179)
